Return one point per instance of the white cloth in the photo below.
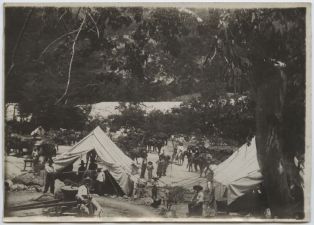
(101, 177)
(82, 190)
(200, 197)
(49, 169)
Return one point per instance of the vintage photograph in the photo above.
(153, 112)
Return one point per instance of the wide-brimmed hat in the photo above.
(87, 180)
(197, 187)
(155, 178)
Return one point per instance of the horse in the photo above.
(189, 155)
(204, 161)
(139, 152)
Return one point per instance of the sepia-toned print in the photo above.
(157, 112)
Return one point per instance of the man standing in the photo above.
(150, 168)
(81, 171)
(209, 206)
(143, 168)
(165, 166)
(50, 176)
(160, 165)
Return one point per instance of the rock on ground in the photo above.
(28, 179)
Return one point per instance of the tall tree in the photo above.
(268, 47)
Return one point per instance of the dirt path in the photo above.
(118, 208)
(177, 175)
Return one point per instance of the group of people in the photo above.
(161, 170)
(97, 176)
(86, 204)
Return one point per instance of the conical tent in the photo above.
(120, 166)
(238, 174)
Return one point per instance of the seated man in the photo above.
(87, 205)
(196, 205)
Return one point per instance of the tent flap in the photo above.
(239, 173)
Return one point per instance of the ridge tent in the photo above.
(121, 167)
(234, 177)
(238, 174)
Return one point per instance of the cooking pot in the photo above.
(69, 192)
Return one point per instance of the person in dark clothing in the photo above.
(81, 171)
(143, 168)
(92, 171)
(92, 166)
(154, 188)
(160, 166)
(165, 166)
(50, 177)
(150, 168)
(100, 181)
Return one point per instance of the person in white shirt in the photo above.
(209, 205)
(196, 205)
(50, 177)
(87, 205)
(83, 190)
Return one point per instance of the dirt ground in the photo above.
(113, 207)
(177, 175)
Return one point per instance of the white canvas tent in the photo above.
(120, 166)
(238, 174)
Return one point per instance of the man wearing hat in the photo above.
(81, 170)
(196, 205)
(50, 176)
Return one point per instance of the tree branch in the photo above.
(71, 61)
(94, 23)
(211, 58)
(19, 41)
(54, 41)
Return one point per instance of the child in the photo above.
(154, 188)
(150, 168)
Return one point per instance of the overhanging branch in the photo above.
(71, 61)
(54, 41)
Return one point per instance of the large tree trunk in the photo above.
(270, 95)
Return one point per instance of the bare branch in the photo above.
(94, 23)
(54, 41)
(211, 58)
(71, 61)
(60, 18)
(19, 41)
